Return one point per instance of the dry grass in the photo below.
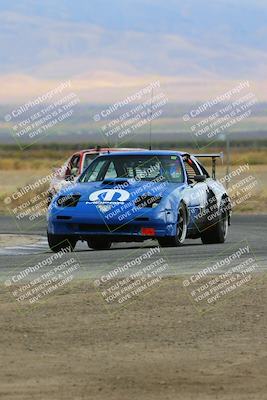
(17, 169)
(33, 159)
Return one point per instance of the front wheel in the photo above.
(99, 244)
(58, 242)
(181, 230)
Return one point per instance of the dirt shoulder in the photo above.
(159, 347)
(18, 240)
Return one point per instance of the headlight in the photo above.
(68, 200)
(147, 201)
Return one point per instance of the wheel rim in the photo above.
(181, 225)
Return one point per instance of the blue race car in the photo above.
(133, 196)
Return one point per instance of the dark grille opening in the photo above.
(105, 229)
(68, 200)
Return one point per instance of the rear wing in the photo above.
(213, 157)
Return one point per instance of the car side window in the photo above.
(191, 169)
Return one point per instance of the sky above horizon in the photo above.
(109, 48)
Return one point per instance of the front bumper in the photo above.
(85, 222)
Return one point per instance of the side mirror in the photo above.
(199, 178)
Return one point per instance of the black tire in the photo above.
(217, 232)
(178, 240)
(99, 244)
(59, 242)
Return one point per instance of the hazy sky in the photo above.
(196, 48)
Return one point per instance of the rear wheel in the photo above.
(99, 244)
(59, 242)
(181, 230)
(216, 233)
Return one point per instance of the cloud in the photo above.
(103, 63)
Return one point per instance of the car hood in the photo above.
(120, 190)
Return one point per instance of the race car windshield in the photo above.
(141, 168)
(88, 158)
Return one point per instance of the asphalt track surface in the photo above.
(188, 259)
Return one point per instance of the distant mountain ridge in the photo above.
(113, 45)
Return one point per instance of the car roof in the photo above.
(106, 150)
(145, 153)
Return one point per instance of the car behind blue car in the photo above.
(133, 196)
